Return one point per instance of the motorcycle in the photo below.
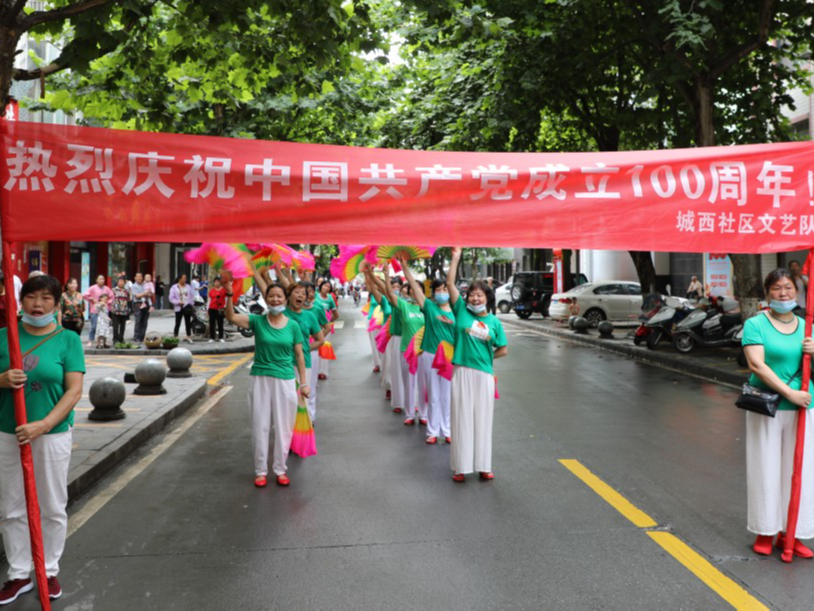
(662, 323)
(200, 320)
(651, 304)
(250, 304)
(713, 324)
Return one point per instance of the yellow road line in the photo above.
(215, 380)
(614, 499)
(701, 568)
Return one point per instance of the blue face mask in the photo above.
(38, 321)
(476, 309)
(782, 307)
(442, 298)
(277, 309)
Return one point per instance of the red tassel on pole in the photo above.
(802, 415)
(16, 362)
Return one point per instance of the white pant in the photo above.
(439, 390)
(52, 457)
(313, 378)
(410, 383)
(272, 398)
(472, 411)
(423, 374)
(377, 362)
(324, 367)
(385, 356)
(394, 369)
(769, 464)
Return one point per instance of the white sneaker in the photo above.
(189, 339)
(211, 341)
(222, 341)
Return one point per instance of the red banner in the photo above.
(69, 183)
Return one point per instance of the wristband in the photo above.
(229, 294)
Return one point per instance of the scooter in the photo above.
(662, 323)
(651, 305)
(708, 326)
(250, 304)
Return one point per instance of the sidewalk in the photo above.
(163, 322)
(714, 364)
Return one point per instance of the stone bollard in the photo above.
(581, 325)
(107, 396)
(150, 375)
(179, 360)
(605, 329)
(571, 321)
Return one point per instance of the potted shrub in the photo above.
(170, 341)
(153, 340)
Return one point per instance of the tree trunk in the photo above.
(567, 280)
(748, 283)
(645, 270)
(8, 51)
(475, 271)
(704, 111)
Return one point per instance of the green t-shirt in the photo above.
(328, 304)
(476, 338)
(319, 312)
(308, 327)
(274, 348)
(372, 307)
(439, 326)
(412, 319)
(46, 368)
(782, 352)
(387, 310)
(395, 322)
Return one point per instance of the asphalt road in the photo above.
(375, 521)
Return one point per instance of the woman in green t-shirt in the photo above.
(774, 342)
(376, 287)
(410, 319)
(326, 301)
(311, 330)
(439, 326)
(273, 394)
(479, 339)
(52, 377)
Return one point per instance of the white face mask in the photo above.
(275, 310)
(477, 309)
(38, 321)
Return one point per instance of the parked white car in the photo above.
(614, 300)
(503, 297)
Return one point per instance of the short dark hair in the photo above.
(275, 285)
(794, 261)
(487, 290)
(323, 283)
(437, 284)
(776, 275)
(41, 283)
(65, 288)
(294, 286)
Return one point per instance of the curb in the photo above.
(132, 442)
(642, 355)
(161, 352)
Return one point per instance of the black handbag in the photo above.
(759, 400)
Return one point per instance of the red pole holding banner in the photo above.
(802, 415)
(20, 416)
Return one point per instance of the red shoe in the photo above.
(763, 545)
(409, 422)
(282, 480)
(387, 395)
(13, 589)
(54, 589)
(431, 441)
(800, 550)
(376, 369)
(458, 477)
(397, 410)
(260, 481)
(487, 476)
(422, 421)
(322, 376)
(447, 439)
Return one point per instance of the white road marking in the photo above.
(360, 324)
(339, 324)
(101, 499)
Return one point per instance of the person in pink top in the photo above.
(92, 296)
